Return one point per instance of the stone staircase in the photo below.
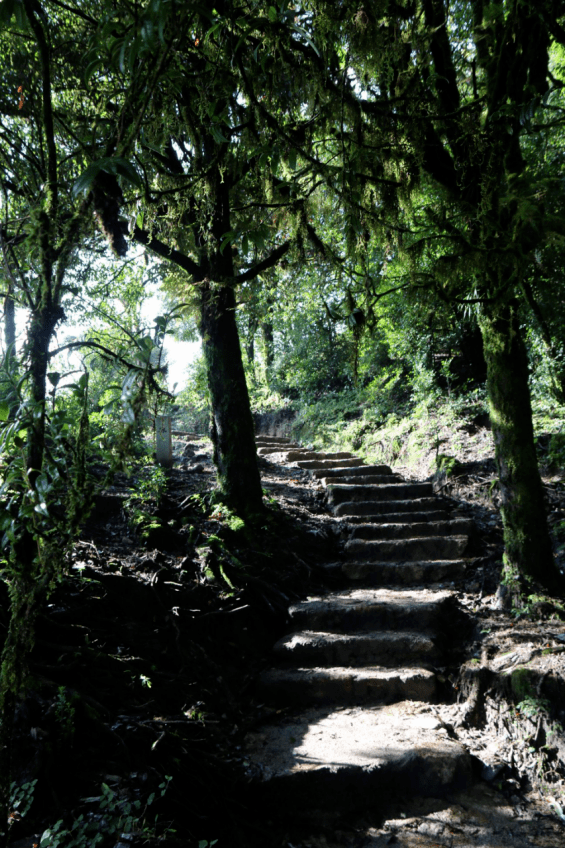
(358, 669)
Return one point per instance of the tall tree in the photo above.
(214, 176)
(426, 112)
(41, 231)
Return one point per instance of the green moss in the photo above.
(521, 683)
(448, 465)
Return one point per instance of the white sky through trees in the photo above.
(178, 354)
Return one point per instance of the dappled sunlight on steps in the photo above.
(358, 664)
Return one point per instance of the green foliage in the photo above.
(21, 800)
(533, 706)
(522, 683)
(195, 397)
(223, 514)
(529, 606)
(107, 817)
(65, 712)
(556, 450)
(141, 506)
(447, 465)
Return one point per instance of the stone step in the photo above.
(349, 611)
(394, 518)
(346, 463)
(363, 480)
(299, 454)
(347, 758)
(265, 440)
(339, 493)
(375, 508)
(407, 573)
(374, 648)
(350, 472)
(420, 548)
(272, 449)
(346, 686)
(305, 454)
(410, 530)
(338, 455)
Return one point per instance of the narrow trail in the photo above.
(359, 677)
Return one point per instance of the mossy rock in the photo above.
(522, 683)
(448, 465)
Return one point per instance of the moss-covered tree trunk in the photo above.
(267, 337)
(29, 577)
(10, 324)
(528, 549)
(232, 423)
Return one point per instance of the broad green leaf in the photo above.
(218, 137)
(91, 69)
(128, 416)
(115, 166)
(306, 36)
(85, 181)
(214, 29)
(228, 239)
(125, 169)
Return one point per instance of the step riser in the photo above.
(320, 688)
(370, 617)
(338, 494)
(399, 518)
(304, 454)
(363, 480)
(386, 650)
(339, 455)
(409, 531)
(424, 548)
(427, 773)
(375, 508)
(298, 454)
(404, 574)
(330, 464)
(338, 473)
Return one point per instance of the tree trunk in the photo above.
(29, 579)
(267, 336)
(250, 346)
(232, 423)
(528, 549)
(10, 325)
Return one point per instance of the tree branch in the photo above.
(161, 249)
(30, 7)
(266, 263)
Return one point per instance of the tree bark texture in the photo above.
(267, 336)
(10, 325)
(29, 577)
(528, 548)
(232, 423)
